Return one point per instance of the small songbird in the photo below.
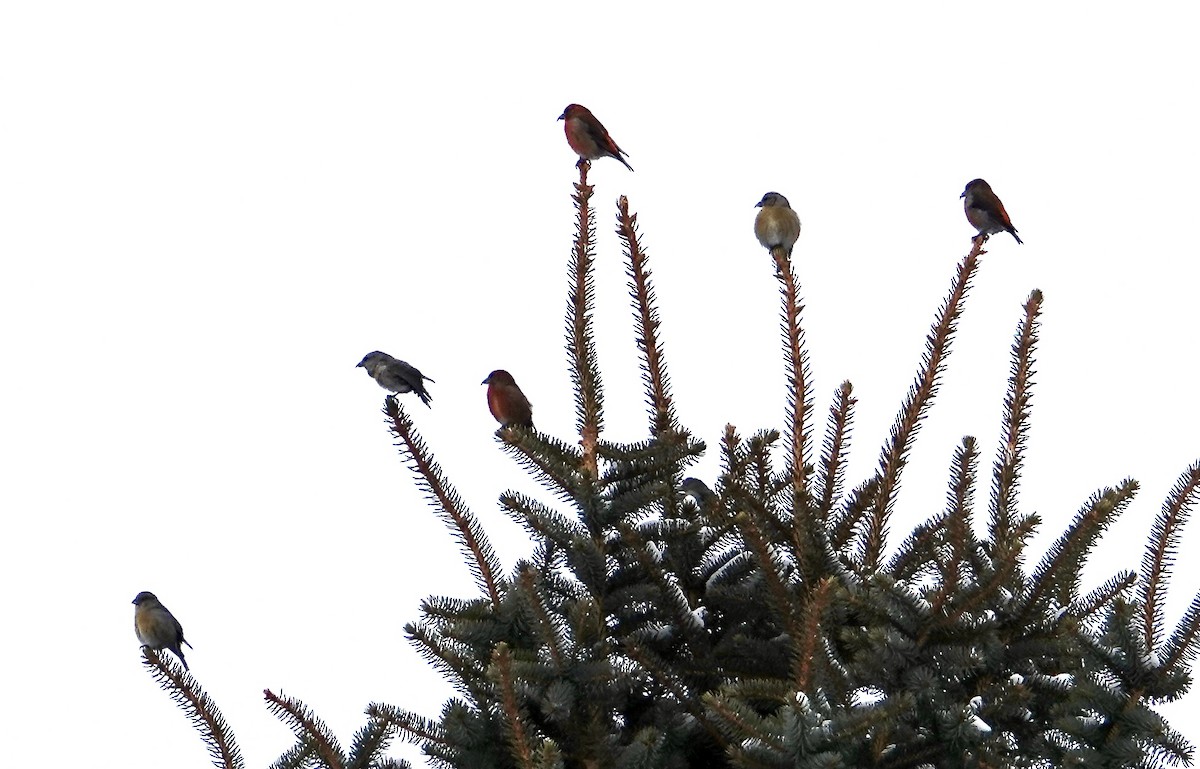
(777, 225)
(984, 210)
(156, 627)
(506, 401)
(700, 492)
(588, 136)
(394, 375)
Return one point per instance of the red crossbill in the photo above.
(506, 401)
(984, 210)
(588, 136)
(777, 225)
(156, 627)
(394, 375)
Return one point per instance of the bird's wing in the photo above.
(408, 373)
(599, 134)
(1003, 214)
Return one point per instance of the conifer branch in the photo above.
(1103, 595)
(811, 635)
(1057, 577)
(410, 726)
(777, 589)
(831, 473)
(920, 394)
(646, 324)
(550, 627)
(1161, 549)
(472, 539)
(738, 722)
(1002, 571)
(916, 555)
(641, 474)
(659, 671)
(542, 520)
(911, 759)
(300, 756)
(726, 562)
(766, 486)
(369, 743)
(199, 708)
(1007, 471)
(1180, 649)
(305, 725)
(549, 756)
(848, 520)
(671, 597)
(944, 543)
(800, 399)
(451, 658)
(581, 347)
(958, 519)
(518, 741)
(553, 463)
(922, 550)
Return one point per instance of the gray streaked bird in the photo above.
(394, 375)
(984, 210)
(156, 627)
(777, 225)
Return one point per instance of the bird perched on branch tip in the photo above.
(394, 375)
(984, 210)
(588, 136)
(506, 401)
(156, 627)
(777, 225)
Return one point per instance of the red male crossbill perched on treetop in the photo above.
(984, 210)
(588, 136)
(506, 401)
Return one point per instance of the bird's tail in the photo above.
(1014, 234)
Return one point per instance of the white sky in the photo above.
(210, 212)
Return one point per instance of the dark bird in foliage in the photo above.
(506, 401)
(156, 627)
(588, 136)
(984, 210)
(394, 375)
(699, 491)
(777, 225)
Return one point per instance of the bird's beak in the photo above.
(964, 194)
(486, 380)
(758, 204)
(358, 365)
(563, 116)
